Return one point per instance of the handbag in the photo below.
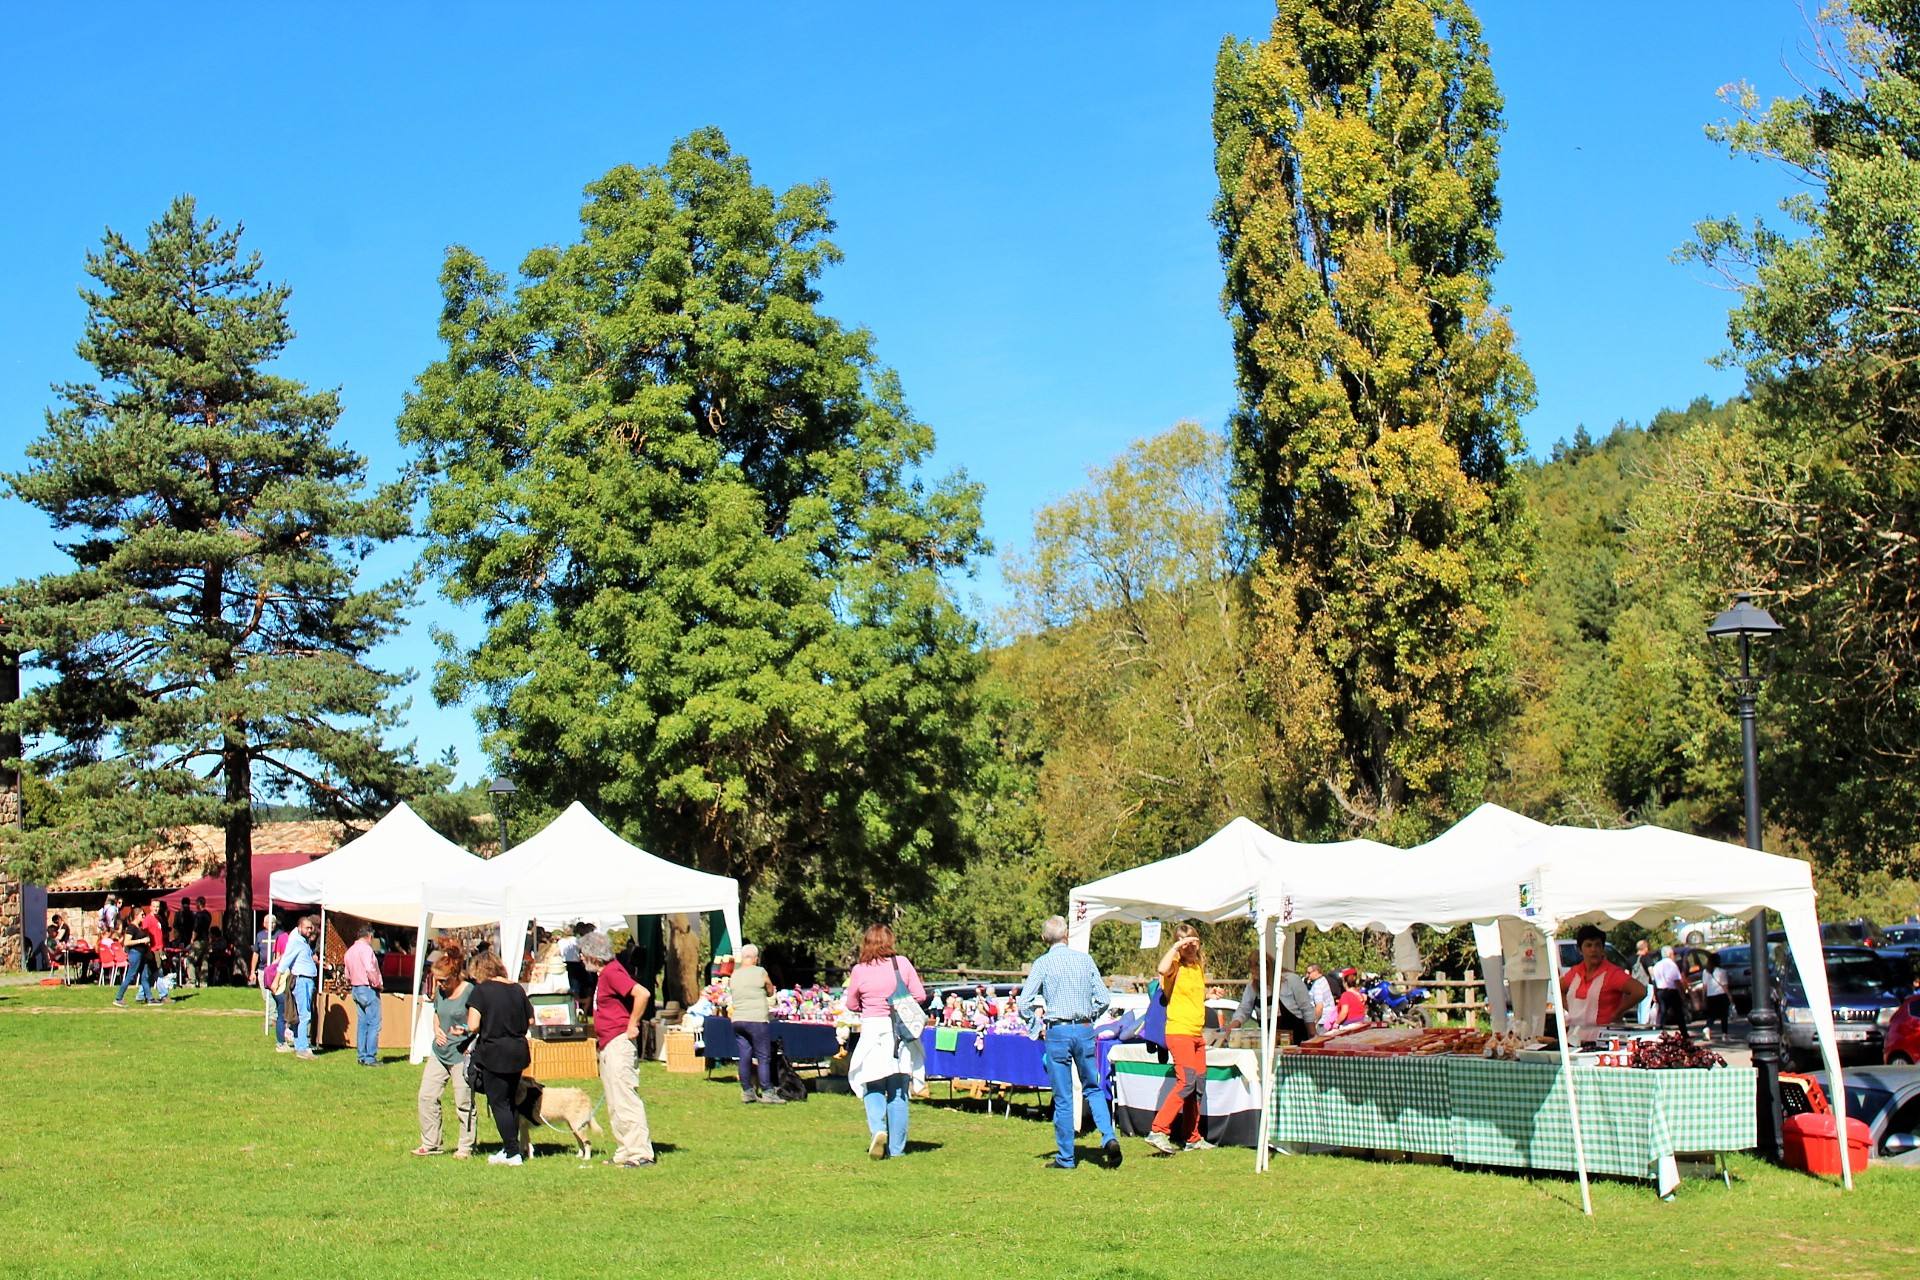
(909, 1019)
(282, 980)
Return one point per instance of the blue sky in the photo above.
(1022, 192)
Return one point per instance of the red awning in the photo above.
(214, 887)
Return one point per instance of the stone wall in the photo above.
(11, 934)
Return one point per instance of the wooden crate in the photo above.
(564, 1060)
(340, 1016)
(681, 1056)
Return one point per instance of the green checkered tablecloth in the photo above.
(1395, 1103)
(1480, 1111)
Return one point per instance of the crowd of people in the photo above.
(149, 947)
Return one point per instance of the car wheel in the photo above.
(1898, 1060)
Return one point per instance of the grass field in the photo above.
(172, 1141)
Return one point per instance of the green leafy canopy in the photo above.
(689, 504)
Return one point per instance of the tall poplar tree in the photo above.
(687, 502)
(211, 639)
(1380, 394)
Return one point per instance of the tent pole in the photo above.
(1566, 1070)
(1266, 1070)
(419, 965)
(320, 982)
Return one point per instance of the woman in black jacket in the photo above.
(498, 1013)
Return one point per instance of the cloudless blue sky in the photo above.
(1022, 192)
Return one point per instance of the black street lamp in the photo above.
(1741, 625)
(502, 791)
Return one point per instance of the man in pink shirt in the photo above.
(363, 974)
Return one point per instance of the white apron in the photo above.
(1583, 1012)
(879, 1055)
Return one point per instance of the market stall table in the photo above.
(1229, 1104)
(802, 1041)
(1480, 1111)
(998, 1057)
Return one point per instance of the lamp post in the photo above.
(1740, 626)
(502, 791)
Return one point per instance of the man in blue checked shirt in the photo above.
(1069, 990)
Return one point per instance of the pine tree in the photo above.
(1380, 394)
(686, 500)
(210, 641)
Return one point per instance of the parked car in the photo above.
(1736, 964)
(1570, 956)
(1851, 933)
(1867, 988)
(1901, 935)
(1887, 1101)
(1903, 1033)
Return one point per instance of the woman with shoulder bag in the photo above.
(498, 1013)
(889, 1051)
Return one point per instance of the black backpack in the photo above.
(787, 1083)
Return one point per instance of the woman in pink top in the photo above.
(882, 1063)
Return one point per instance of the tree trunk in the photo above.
(682, 978)
(238, 922)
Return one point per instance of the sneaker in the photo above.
(305, 1055)
(751, 1098)
(1113, 1153)
(773, 1100)
(283, 1048)
(1162, 1143)
(642, 1163)
(878, 1147)
(501, 1157)
(1055, 1164)
(463, 1155)
(119, 1004)
(1201, 1144)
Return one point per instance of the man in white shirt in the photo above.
(1670, 989)
(1320, 992)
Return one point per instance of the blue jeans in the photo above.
(1070, 1046)
(366, 1030)
(886, 1101)
(140, 965)
(303, 1014)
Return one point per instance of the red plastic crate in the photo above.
(1811, 1147)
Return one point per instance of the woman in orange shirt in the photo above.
(1184, 988)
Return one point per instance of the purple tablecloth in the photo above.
(1000, 1059)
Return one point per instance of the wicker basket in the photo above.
(681, 1056)
(564, 1060)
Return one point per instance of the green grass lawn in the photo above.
(172, 1141)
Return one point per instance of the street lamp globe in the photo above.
(501, 792)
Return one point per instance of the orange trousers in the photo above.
(1189, 1054)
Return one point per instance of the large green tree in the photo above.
(688, 503)
(1813, 498)
(211, 640)
(1380, 392)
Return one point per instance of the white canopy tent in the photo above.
(1216, 880)
(382, 874)
(1558, 879)
(574, 869)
